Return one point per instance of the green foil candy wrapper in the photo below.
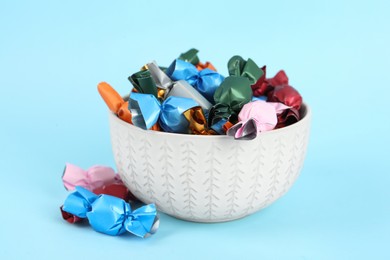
(234, 92)
(190, 56)
(237, 66)
(230, 97)
(143, 82)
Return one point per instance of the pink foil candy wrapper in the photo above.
(255, 117)
(94, 177)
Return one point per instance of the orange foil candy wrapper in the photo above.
(207, 65)
(115, 102)
(198, 122)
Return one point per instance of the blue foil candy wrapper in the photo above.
(262, 98)
(111, 215)
(146, 111)
(205, 81)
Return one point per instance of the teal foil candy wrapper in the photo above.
(179, 88)
(205, 81)
(146, 111)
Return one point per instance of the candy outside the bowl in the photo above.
(111, 215)
(168, 99)
(92, 178)
(99, 179)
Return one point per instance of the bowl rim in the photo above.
(304, 120)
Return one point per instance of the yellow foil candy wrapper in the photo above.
(197, 121)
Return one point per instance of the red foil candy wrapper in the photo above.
(117, 190)
(69, 217)
(264, 86)
(261, 87)
(279, 79)
(287, 95)
(288, 117)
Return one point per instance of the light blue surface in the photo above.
(336, 53)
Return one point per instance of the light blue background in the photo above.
(336, 53)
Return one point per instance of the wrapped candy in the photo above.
(111, 215)
(117, 189)
(278, 90)
(179, 88)
(255, 117)
(143, 82)
(99, 179)
(288, 117)
(230, 97)
(237, 66)
(287, 95)
(221, 99)
(70, 218)
(197, 122)
(92, 178)
(279, 79)
(261, 87)
(114, 101)
(205, 81)
(191, 56)
(147, 111)
(206, 65)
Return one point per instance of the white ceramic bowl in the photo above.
(209, 178)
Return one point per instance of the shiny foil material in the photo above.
(235, 91)
(205, 81)
(116, 189)
(279, 79)
(288, 117)
(207, 65)
(111, 215)
(191, 56)
(287, 95)
(197, 122)
(114, 101)
(230, 97)
(92, 178)
(143, 82)
(256, 117)
(99, 179)
(70, 218)
(147, 111)
(179, 88)
(237, 66)
(261, 87)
